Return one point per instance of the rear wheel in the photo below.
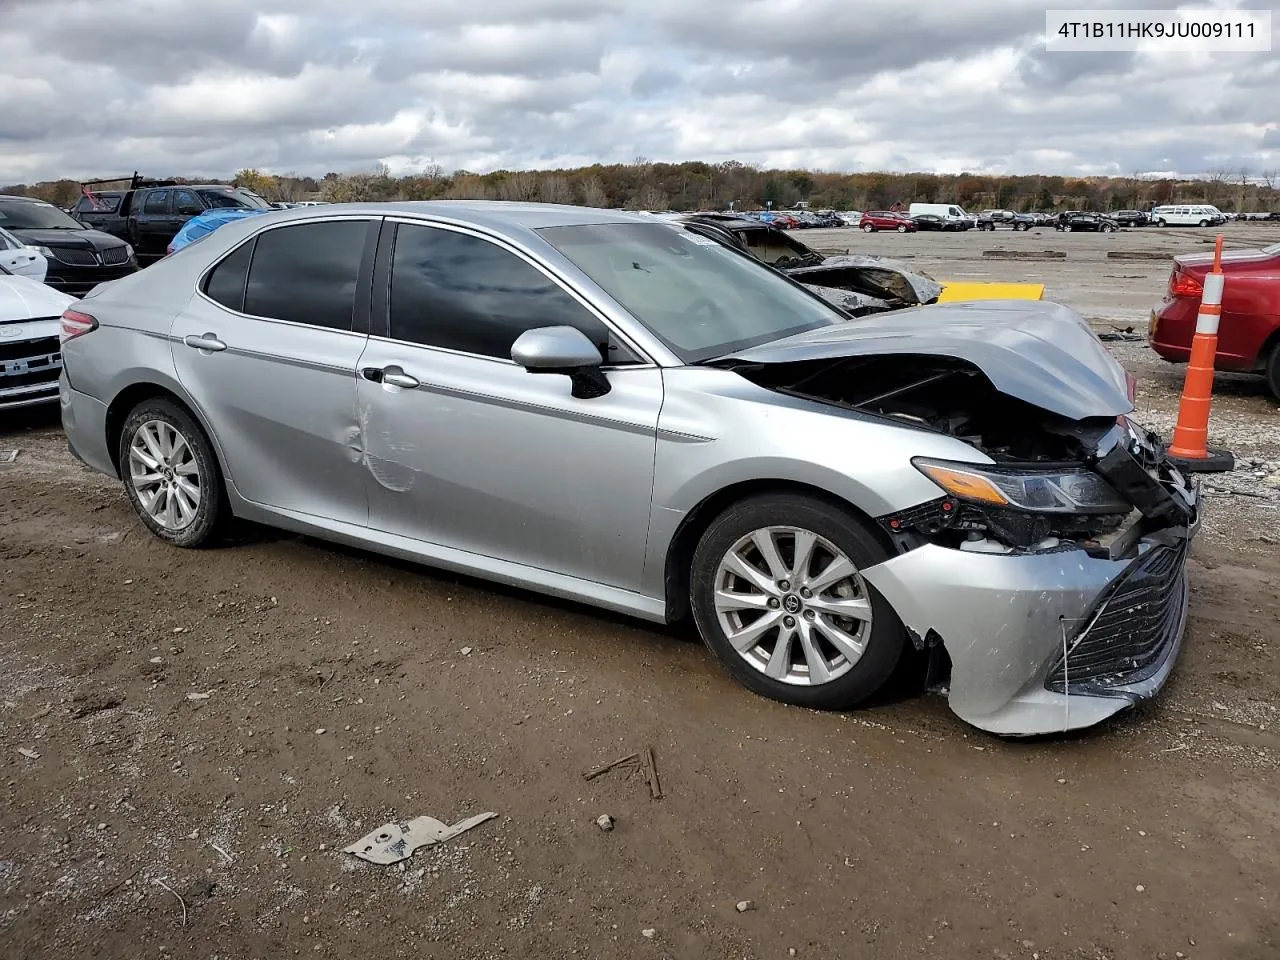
(868, 228)
(1273, 371)
(171, 475)
(1204, 223)
(778, 596)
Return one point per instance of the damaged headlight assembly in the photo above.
(1070, 490)
(998, 508)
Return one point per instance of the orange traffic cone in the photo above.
(1189, 450)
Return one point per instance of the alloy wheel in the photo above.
(793, 605)
(165, 474)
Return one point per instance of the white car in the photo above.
(20, 259)
(30, 352)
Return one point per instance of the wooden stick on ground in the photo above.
(592, 774)
(651, 774)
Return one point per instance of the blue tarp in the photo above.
(207, 222)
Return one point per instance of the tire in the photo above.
(1273, 371)
(176, 515)
(1162, 223)
(901, 228)
(1108, 229)
(1069, 228)
(880, 638)
(1204, 223)
(868, 228)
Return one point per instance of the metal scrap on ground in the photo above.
(393, 842)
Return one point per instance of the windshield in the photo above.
(241, 199)
(35, 215)
(697, 296)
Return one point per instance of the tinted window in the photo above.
(237, 199)
(463, 293)
(226, 283)
(307, 273)
(184, 201)
(35, 215)
(157, 202)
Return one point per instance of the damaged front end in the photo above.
(1049, 568)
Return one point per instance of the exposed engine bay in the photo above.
(953, 396)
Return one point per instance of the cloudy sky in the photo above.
(100, 87)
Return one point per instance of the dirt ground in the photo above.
(204, 732)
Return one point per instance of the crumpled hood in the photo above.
(1038, 351)
(858, 304)
(925, 288)
(23, 299)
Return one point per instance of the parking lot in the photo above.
(211, 728)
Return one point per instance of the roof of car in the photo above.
(495, 214)
(11, 196)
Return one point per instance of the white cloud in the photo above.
(175, 87)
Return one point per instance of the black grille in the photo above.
(114, 256)
(75, 257)
(1132, 628)
(22, 349)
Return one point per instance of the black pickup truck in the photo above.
(150, 212)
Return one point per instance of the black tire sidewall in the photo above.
(1273, 372)
(888, 638)
(211, 510)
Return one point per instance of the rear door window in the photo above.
(157, 202)
(307, 273)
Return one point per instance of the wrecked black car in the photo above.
(858, 284)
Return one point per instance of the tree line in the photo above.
(694, 185)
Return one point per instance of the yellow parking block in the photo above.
(953, 292)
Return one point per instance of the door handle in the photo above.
(206, 341)
(398, 378)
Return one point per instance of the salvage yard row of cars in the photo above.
(823, 467)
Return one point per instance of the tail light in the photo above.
(76, 324)
(1184, 285)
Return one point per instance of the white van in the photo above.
(1187, 215)
(950, 212)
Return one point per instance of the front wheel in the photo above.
(902, 228)
(1162, 223)
(778, 596)
(171, 475)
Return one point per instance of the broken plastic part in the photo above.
(393, 842)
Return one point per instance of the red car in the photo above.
(874, 220)
(1249, 332)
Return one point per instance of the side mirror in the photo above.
(563, 350)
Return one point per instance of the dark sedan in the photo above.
(858, 284)
(79, 258)
(931, 221)
(1095, 222)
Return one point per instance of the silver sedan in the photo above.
(626, 412)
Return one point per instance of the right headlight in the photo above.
(1074, 490)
